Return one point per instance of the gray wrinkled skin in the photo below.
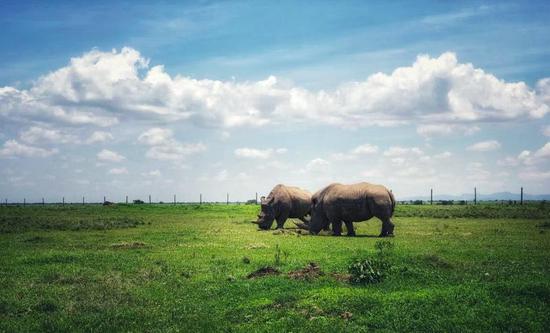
(284, 202)
(339, 203)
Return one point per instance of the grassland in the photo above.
(184, 268)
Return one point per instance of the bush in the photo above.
(368, 271)
(139, 202)
(372, 270)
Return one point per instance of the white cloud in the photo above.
(443, 155)
(534, 175)
(316, 165)
(152, 173)
(174, 151)
(431, 130)
(156, 136)
(254, 153)
(508, 161)
(37, 134)
(397, 151)
(544, 151)
(546, 130)
(484, 146)
(365, 149)
(99, 136)
(98, 88)
(109, 156)
(12, 148)
(118, 171)
(165, 147)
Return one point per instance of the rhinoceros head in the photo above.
(266, 216)
(318, 220)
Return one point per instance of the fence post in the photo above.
(256, 198)
(521, 199)
(42, 201)
(149, 199)
(475, 195)
(200, 199)
(227, 199)
(174, 199)
(63, 201)
(431, 196)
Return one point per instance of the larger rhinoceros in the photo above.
(284, 202)
(339, 203)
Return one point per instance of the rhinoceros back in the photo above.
(356, 202)
(289, 198)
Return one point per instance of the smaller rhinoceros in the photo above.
(339, 203)
(284, 202)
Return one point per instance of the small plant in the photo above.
(375, 269)
(368, 271)
(279, 255)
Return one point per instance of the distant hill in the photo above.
(470, 196)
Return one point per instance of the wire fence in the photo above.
(201, 200)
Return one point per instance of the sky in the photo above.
(187, 98)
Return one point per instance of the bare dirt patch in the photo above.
(310, 272)
(296, 232)
(264, 271)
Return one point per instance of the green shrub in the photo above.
(375, 269)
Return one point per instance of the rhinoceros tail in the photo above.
(392, 198)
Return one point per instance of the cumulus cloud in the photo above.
(165, 147)
(156, 136)
(35, 134)
(152, 173)
(258, 153)
(316, 165)
(439, 94)
(364, 149)
(109, 156)
(397, 151)
(118, 171)
(484, 146)
(544, 151)
(99, 136)
(431, 130)
(12, 148)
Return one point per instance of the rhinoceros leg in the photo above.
(281, 219)
(387, 228)
(337, 228)
(349, 226)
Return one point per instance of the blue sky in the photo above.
(135, 98)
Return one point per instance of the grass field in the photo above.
(185, 268)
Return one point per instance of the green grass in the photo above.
(184, 268)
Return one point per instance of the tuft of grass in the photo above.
(128, 245)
